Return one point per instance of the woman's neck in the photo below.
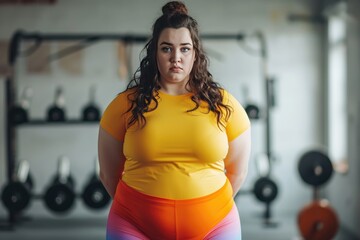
(173, 89)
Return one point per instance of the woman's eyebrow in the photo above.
(167, 43)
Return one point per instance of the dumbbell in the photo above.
(91, 112)
(56, 112)
(60, 196)
(16, 195)
(19, 112)
(94, 194)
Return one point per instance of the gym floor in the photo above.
(94, 228)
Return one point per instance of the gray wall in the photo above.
(295, 59)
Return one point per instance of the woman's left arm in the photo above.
(237, 159)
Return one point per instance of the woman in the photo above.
(174, 146)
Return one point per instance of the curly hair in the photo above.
(145, 81)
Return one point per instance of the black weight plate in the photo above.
(56, 114)
(15, 196)
(59, 198)
(252, 111)
(265, 190)
(91, 113)
(18, 115)
(315, 168)
(95, 195)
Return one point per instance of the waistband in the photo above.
(224, 192)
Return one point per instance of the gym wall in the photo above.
(295, 60)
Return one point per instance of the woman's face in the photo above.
(175, 56)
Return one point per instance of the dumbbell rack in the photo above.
(10, 84)
(10, 90)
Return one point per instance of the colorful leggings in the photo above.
(136, 216)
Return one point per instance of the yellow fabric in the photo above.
(178, 154)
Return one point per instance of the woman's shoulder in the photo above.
(228, 98)
(124, 95)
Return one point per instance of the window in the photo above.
(337, 85)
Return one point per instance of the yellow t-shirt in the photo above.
(178, 154)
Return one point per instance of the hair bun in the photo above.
(174, 7)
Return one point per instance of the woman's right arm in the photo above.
(111, 160)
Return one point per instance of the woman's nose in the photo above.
(176, 57)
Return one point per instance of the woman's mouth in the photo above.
(175, 69)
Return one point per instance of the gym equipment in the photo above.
(252, 111)
(56, 112)
(19, 112)
(60, 196)
(315, 168)
(91, 112)
(265, 190)
(318, 221)
(16, 195)
(95, 195)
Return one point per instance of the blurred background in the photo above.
(294, 65)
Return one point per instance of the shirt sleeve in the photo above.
(238, 121)
(113, 119)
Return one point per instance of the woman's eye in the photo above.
(185, 49)
(166, 49)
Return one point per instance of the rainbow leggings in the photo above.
(136, 216)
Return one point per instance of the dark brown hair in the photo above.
(145, 82)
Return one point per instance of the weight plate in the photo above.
(18, 115)
(56, 114)
(315, 168)
(91, 113)
(318, 221)
(95, 195)
(252, 111)
(59, 198)
(15, 197)
(265, 190)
